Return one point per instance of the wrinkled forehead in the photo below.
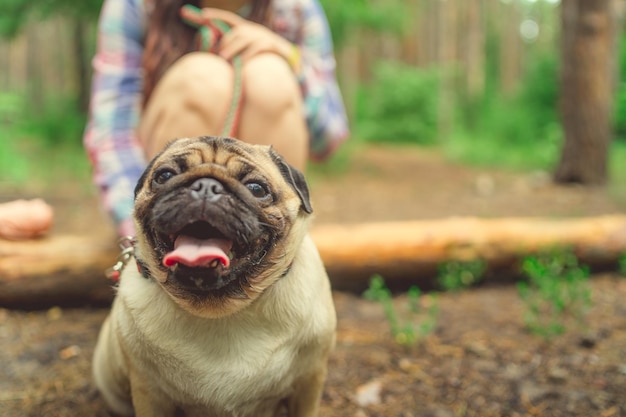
(214, 150)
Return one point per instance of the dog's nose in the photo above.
(207, 189)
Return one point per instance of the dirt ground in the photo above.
(479, 361)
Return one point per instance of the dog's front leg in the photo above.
(305, 400)
(147, 402)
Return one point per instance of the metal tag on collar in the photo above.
(127, 245)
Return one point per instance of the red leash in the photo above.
(209, 36)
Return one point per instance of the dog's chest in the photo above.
(225, 364)
(224, 377)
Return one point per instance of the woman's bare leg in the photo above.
(272, 111)
(190, 100)
(193, 97)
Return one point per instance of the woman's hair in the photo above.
(168, 37)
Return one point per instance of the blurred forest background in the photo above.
(521, 84)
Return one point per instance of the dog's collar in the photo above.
(142, 268)
(127, 245)
(284, 274)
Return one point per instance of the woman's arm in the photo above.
(110, 137)
(304, 41)
(304, 23)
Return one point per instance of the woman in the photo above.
(152, 84)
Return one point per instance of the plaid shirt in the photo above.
(110, 137)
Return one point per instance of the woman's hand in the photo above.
(245, 38)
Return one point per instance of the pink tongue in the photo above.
(198, 252)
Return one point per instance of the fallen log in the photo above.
(62, 270)
(412, 251)
(68, 270)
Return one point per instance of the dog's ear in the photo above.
(143, 178)
(295, 179)
(144, 175)
(141, 181)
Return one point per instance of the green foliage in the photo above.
(380, 16)
(15, 13)
(620, 94)
(458, 275)
(540, 92)
(421, 320)
(556, 294)
(617, 171)
(58, 122)
(399, 105)
(11, 107)
(27, 162)
(339, 163)
(621, 267)
(32, 147)
(11, 168)
(517, 131)
(620, 112)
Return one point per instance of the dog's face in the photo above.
(218, 221)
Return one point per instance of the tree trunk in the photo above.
(586, 93)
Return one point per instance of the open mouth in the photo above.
(199, 245)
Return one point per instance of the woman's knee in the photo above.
(198, 78)
(190, 99)
(270, 85)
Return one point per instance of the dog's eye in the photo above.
(257, 190)
(163, 175)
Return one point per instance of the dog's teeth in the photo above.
(231, 255)
(214, 263)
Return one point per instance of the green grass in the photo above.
(337, 164)
(617, 156)
(14, 165)
(621, 265)
(26, 162)
(494, 152)
(490, 151)
(39, 149)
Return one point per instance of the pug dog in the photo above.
(229, 311)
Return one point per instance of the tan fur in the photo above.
(230, 357)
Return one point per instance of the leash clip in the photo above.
(127, 245)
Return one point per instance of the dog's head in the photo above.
(218, 221)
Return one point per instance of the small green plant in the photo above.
(621, 265)
(557, 293)
(412, 323)
(457, 275)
